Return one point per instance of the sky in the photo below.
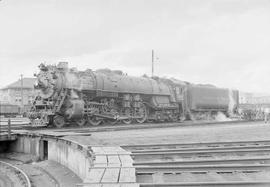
(224, 42)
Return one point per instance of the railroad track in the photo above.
(215, 184)
(106, 127)
(17, 124)
(13, 126)
(202, 164)
(13, 176)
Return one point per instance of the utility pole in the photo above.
(153, 62)
(22, 91)
(0, 120)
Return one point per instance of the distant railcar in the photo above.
(250, 111)
(9, 110)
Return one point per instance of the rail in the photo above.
(202, 164)
(151, 148)
(222, 183)
(17, 170)
(72, 126)
(212, 161)
(201, 168)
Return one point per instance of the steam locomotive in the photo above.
(68, 95)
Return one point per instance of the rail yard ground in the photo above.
(174, 155)
(182, 134)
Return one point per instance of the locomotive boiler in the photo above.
(67, 95)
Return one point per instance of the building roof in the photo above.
(27, 83)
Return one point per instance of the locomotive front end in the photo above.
(61, 95)
(50, 83)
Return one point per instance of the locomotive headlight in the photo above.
(36, 84)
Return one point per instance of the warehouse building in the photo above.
(254, 98)
(20, 92)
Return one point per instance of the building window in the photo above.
(18, 99)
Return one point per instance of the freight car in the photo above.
(9, 110)
(111, 96)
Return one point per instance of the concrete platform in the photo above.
(98, 159)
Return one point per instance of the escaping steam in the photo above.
(231, 102)
(74, 94)
(221, 117)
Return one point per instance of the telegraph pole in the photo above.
(22, 90)
(0, 120)
(152, 62)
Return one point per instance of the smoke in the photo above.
(231, 101)
(221, 117)
(73, 94)
(79, 82)
(74, 81)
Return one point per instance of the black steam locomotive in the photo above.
(110, 96)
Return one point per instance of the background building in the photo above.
(254, 98)
(22, 89)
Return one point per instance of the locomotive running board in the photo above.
(115, 117)
(38, 123)
(105, 116)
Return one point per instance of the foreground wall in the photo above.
(69, 154)
(94, 165)
(73, 156)
(28, 144)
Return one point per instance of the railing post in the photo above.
(0, 120)
(0, 127)
(9, 131)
